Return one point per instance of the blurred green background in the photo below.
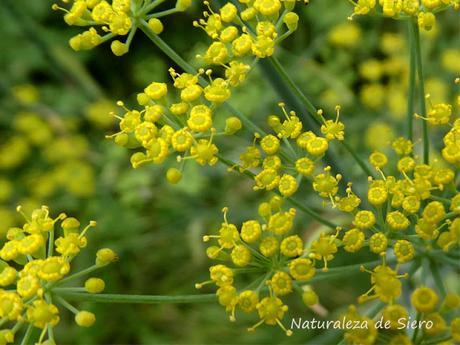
(54, 116)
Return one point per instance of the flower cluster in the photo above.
(409, 214)
(29, 147)
(291, 153)
(185, 127)
(265, 248)
(451, 149)
(251, 29)
(110, 19)
(423, 10)
(36, 262)
(413, 210)
(410, 211)
(436, 318)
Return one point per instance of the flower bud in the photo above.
(70, 225)
(309, 297)
(232, 125)
(75, 43)
(264, 209)
(228, 12)
(94, 285)
(105, 256)
(156, 25)
(451, 301)
(173, 175)
(273, 121)
(137, 159)
(182, 5)
(121, 139)
(291, 20)
(119, 48)
(85, 318)
(290, 4)
(426, 20)
(276, 202)
(142, 98)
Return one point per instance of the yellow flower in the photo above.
(85, 318)
(267, 179)
(424, 299)
(281, 283)
(325, 184)
(281, 222)
(324, 249)
(270, 144)
(377, 195)
(287, 185)
(378, 243)
(42, 314)
(241, 255)
(364, 219)
(394, 313)
(302, 269)
(397, 221)
(251, 231)
(8, 276)
(248, 300)
(11, 305)
(269, 246)
(404, 251)
(271, 311)
(434, 212)
(378, 159)
(292, 246)
(353, 240)
(221, 275)
(267, 7)
(304, 166)
(347, 35)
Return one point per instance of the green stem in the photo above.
(145, 299)
(50, 333)
(51, 243)
(441, 199)
(151, 6)
(313, 214)
(164, 13)
(421, 92)
(425, 269)
(66, 304)
(339, 272)
(155, 299)
(358, 159)
(276, 65)
(26, 338)
(17, 326)
(442, 258)
(414, 336)
(69, 289)
(438, 340)
(411, 91)
(437, 277)
(450, 215)
(78, 274)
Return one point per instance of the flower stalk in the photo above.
(412, 81)
(136, 299)
(421, 91)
